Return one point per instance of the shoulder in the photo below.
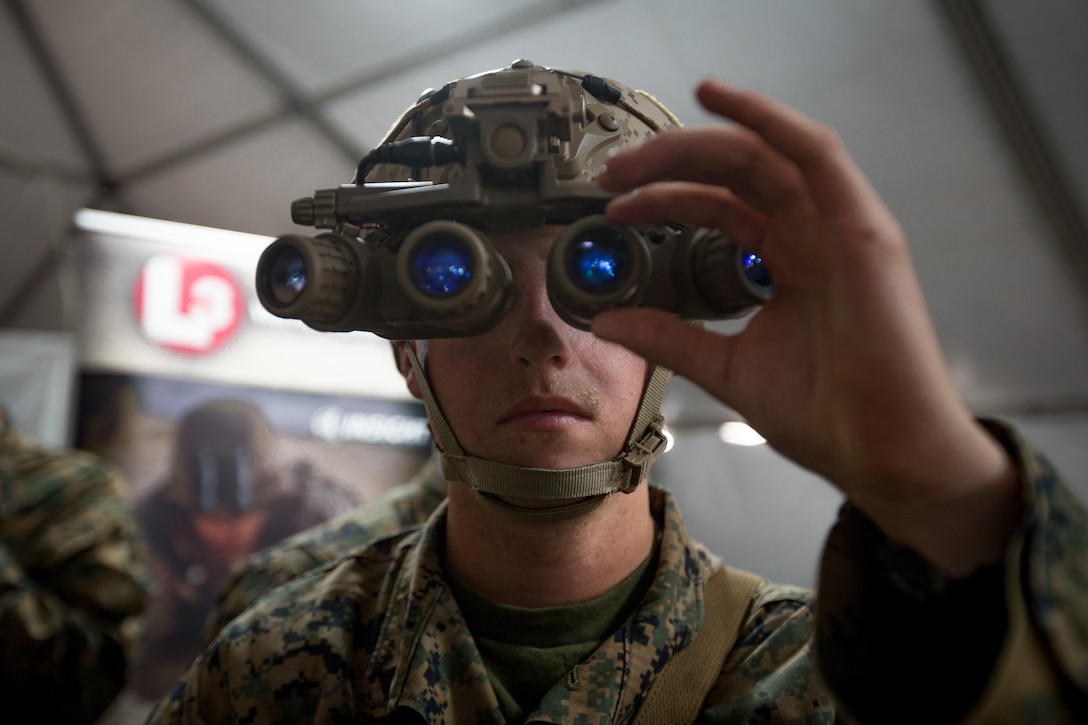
(772, 666)
(401, 507)
(398, 510)
(61, 501)
(328, 601)
(782, 612)
(31, 475)
(298, 645)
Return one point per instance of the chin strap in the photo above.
(583, 488)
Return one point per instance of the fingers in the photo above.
(700, 356)
(816, 149)
(698, 205)
(726, 156)
(774, 159)
(795, 136)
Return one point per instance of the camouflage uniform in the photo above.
(402, 507)
(378, 637)
(72, 586)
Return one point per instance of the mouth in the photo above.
(545, 410)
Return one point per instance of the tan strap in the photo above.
(678, 691)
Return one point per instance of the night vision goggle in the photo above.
(411, 259)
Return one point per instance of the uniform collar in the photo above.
(431, 665)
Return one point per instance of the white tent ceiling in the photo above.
(220, 113)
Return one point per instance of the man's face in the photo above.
(231, 536)
(534, 391)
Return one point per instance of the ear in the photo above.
(404, 364)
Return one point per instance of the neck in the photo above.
(543, 564)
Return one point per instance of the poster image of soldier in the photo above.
(217, 473)
(220, 500)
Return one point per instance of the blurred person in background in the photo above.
(73, 586)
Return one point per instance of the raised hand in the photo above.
(841, 370)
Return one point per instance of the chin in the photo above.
(543, 450)
(551, 462)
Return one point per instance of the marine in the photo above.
(555, 583)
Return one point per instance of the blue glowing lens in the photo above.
(756, 272)
(285, 277)
(442, 266)
(599, 263)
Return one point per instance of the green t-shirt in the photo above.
(527, 651)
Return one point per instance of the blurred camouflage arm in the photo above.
(72, 586)
(1007, 644)
(69, 663)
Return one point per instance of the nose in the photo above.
(539, 337)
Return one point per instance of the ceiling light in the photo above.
(740, 434)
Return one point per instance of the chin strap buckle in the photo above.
(638, 458)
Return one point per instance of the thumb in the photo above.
(700, 356)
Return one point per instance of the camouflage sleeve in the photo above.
(1042, 672)
(1006, 644)
(401, 507)
(72, 585)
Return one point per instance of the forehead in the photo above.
(519, 245)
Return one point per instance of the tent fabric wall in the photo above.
(37, 383)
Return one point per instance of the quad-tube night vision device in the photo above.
(406, 254)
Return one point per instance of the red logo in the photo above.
(187, 305)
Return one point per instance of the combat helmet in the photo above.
(571, 121)
(221, 459)
(408, 257)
